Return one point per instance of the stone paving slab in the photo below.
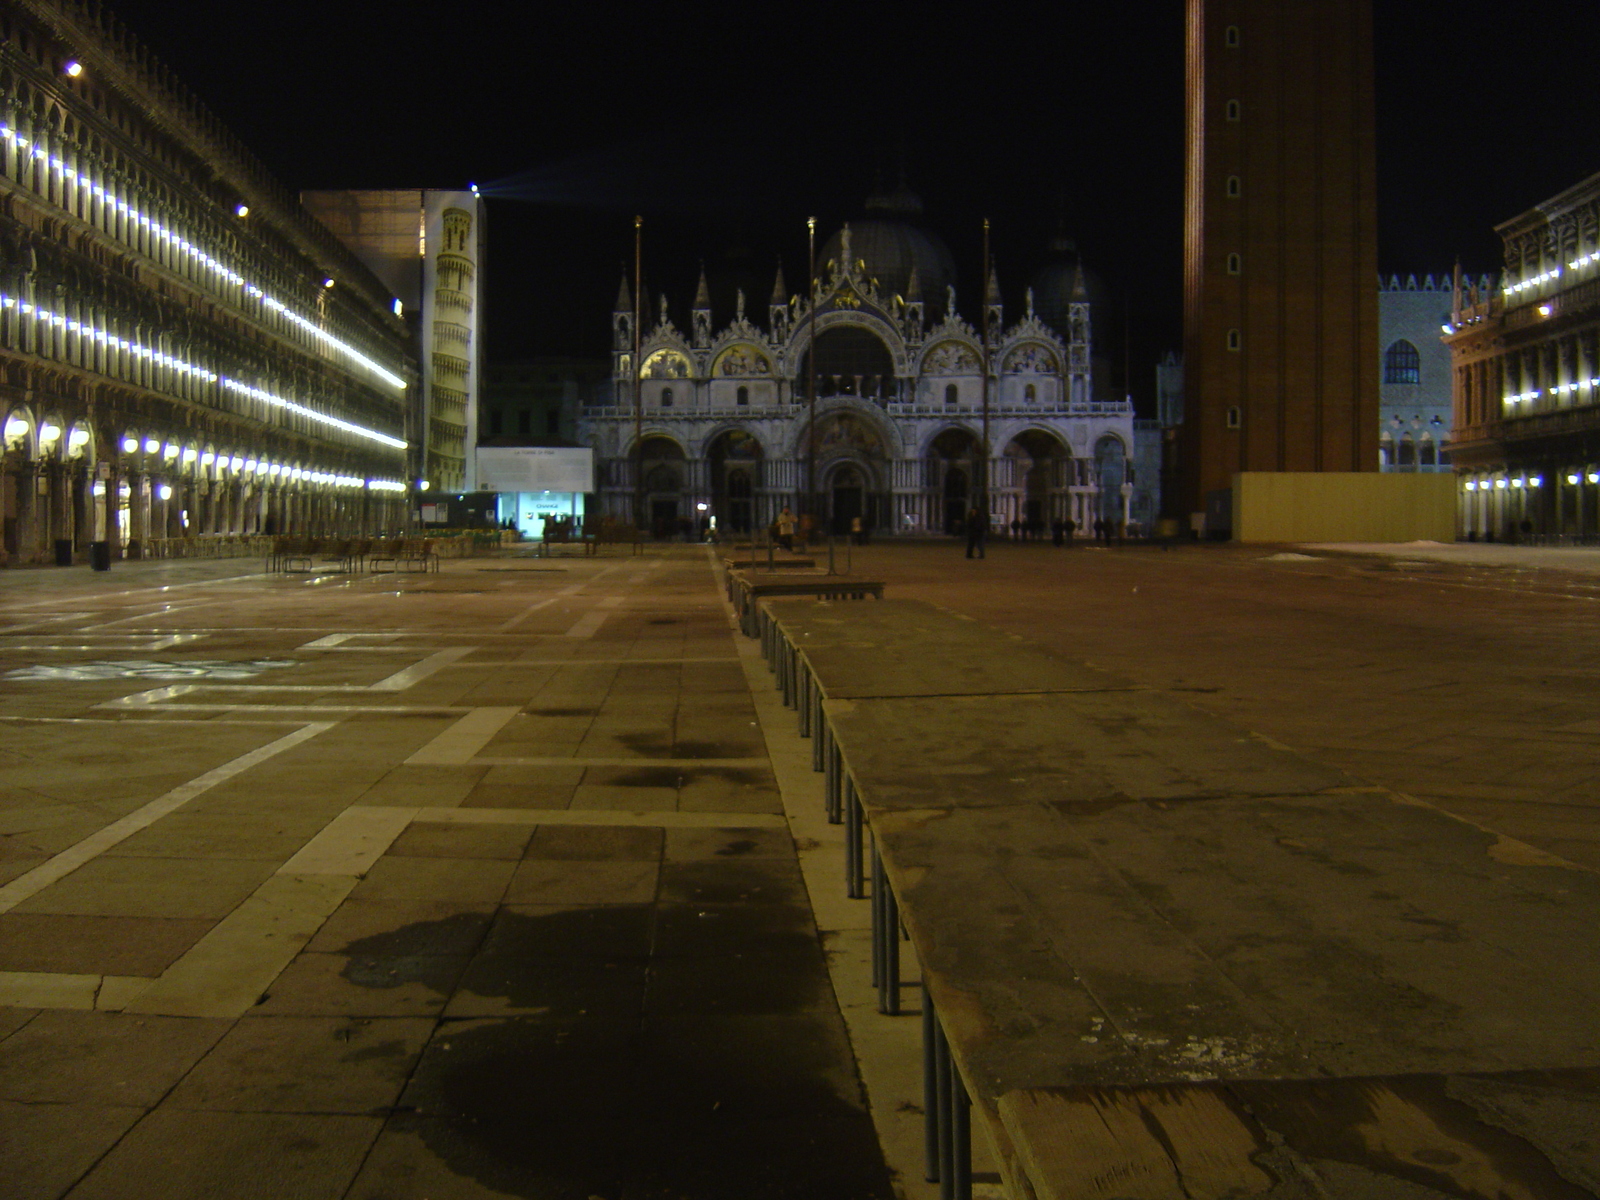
(1249, 638)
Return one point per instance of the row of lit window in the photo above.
(162, 232)
(1530, 481)
(110, 339)
(50, 433)
(1561, 389)
(1553, 273)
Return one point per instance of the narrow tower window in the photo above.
(951, 394)
(1234, 187)
(1230, 110)
(1235, 265)
(1234, 340)
(666, 397)
(1232, 416)
(742, 396)
(1230, 37)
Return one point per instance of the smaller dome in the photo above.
(1054, 283)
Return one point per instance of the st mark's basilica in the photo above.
(724, 420)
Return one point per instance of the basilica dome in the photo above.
(891, 243)
(1055, 282)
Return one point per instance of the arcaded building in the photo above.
(727, 424)
(1526, 378)
(184, 352)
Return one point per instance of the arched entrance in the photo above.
(1111, 472)
(1037, 475)
(847, 491)
(735, 458)
(953, 462)
(664, 471)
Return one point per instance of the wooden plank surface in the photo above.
(1202, 941)
(1507, 1136)
(1065, 748)
(911, 648)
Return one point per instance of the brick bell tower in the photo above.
(1280, 246)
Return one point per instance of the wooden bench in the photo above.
(1140, 929)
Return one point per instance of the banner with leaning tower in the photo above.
(452, 239)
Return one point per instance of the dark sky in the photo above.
(727, 125)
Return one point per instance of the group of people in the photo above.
(787, 526)
(1061, 531)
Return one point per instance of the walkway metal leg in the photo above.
(960, 1136)
(941, 1082)
(886, 932)
(852, 841)
(930, 1089)
(831, 781)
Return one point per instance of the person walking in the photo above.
(786, 528)
(977, 528)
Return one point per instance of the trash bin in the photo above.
(63, 552)
(100, 556)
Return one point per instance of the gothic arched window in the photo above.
(666, 397)
(951, 393)
(1030, 393)
(1402, 363)
(742, 396)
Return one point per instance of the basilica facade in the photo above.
(889, 424)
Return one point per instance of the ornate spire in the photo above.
(1080, 290)
(780, 294)
(914, 285)
(700, 318)
(992, 296)
(624, 295)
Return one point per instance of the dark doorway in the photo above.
(848, 499)
(955, 500)
(739, 501)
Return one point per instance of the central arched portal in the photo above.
(851, 361)
(847, 491)
(665, 472)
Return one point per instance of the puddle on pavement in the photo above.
(138, 668)
(659, 1052)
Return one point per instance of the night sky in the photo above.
(726, 126)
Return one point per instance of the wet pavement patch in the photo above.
(138, 668)
(643, 1052)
